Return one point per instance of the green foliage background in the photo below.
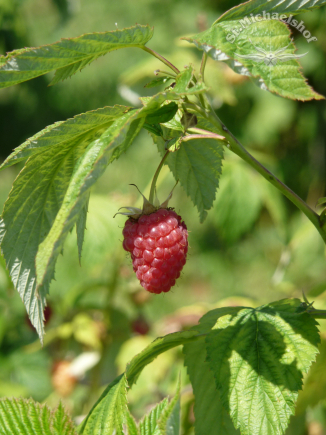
(253, 248)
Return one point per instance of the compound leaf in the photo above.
(262, 50)
(68, 55)
(26, 417)
(164, 418)
(50, 194)
(28, 215)
(258, 358)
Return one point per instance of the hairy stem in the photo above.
(235, 146)
(161, 58)
(153, 185)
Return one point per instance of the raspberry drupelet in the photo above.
(158, 244)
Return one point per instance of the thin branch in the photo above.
(161, 58)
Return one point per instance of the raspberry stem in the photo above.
(153, 185)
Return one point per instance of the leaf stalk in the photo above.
(161, 58)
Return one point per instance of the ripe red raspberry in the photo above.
(158, 243)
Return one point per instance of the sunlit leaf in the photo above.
(283, 7)
(258, 358)
(108, 414)
(211, 418)
(262, 50)
(50, 194)
(88, 169)
(131, 424)
(68, 55)
(82, 128)
(38, 195)
(81, 227)
(161, 344)
(197, 164)
(26, 417)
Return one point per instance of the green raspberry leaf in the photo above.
(283, 7)
(185, 84)
(88, 169)
(108, 414)
(164, 418)
(81, 128)
(157, 82)
(148, 424)
(27, 417)
(258, 358)
(169, 421)
(110, 411)
(314, 390)
(163, 114)
(50, 194)
(197, 164)
(211, 417)
(81, 227)
(38, 194)
(131, 424)
(261, 50)
(68, 55)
